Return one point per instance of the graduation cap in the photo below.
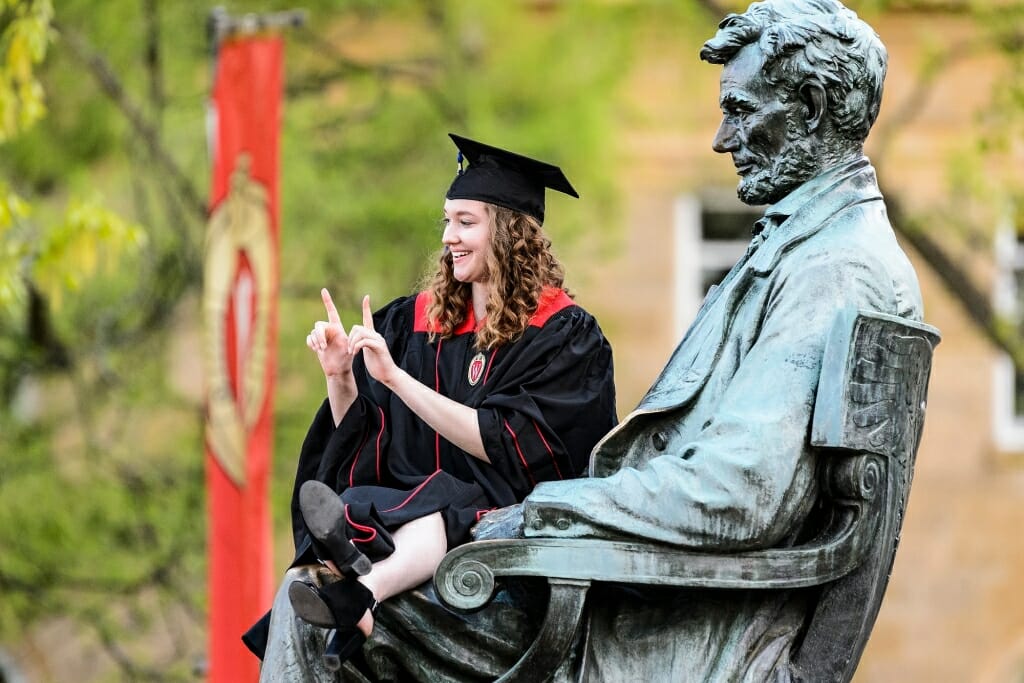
(504, 178)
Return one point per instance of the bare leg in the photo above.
(419, 547)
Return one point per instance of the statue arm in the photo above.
(748, 477)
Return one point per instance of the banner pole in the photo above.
(240, 291)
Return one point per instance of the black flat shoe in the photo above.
(324, 515)
(339, 605)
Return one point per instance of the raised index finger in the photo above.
(332, 312)
(367, 313)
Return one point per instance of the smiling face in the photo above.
(765, 135)
(467, 234)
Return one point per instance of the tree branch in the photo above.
(342, 66)
(111, 643)
(109, 83)
(157, 98)
(914, 103)
(958, 283)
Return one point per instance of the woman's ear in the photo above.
(812, 95)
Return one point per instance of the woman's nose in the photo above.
(448, 236)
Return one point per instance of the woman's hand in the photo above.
(330, 343)
(376, 355)
(454, 421)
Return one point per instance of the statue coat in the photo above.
(716, 456)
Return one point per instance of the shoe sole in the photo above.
(309, 606)
(323, 513)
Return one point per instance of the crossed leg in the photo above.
(295, 648)
(420, 546)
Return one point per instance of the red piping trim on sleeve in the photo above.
(551, 301)
(379, 437)
(360, 527)
(550, 452)
(490, 362)
(515, 440)
(352, 470)
(414, 492)
(437, 388)
(481, 513)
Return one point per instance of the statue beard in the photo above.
(797, 162)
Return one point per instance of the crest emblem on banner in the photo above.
(236, 306)
(476, 369)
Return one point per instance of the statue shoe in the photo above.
(324, 515)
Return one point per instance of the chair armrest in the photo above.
(465, 579)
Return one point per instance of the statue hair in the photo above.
(820, 40)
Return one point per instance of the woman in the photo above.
(446, 404)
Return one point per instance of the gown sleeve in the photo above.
(337, 455)
(555, 402)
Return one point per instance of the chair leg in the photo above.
(548, 651)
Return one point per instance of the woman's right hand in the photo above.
(330, 343)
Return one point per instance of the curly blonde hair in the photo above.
(519, 266)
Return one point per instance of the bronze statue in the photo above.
(719, 457)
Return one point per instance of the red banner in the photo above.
(240, 312)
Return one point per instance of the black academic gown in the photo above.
(542, 403)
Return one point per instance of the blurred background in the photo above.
(104, 177)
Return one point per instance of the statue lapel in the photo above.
(693, 360)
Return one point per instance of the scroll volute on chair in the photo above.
(868, 419)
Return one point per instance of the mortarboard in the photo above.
(497, 176)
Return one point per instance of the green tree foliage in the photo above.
(101, 416)
(23, 42)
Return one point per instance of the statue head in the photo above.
(801, 87)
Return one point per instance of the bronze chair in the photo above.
(867, 422)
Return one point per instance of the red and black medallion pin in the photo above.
(476, 369)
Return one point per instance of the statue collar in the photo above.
(804, 211)
(789, 204)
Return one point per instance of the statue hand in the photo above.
(504, 522)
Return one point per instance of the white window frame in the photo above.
(1007, 426)
(694, 255)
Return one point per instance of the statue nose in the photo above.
(724, 140)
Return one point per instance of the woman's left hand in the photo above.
(376, 355)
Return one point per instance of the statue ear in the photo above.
(812, 94)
